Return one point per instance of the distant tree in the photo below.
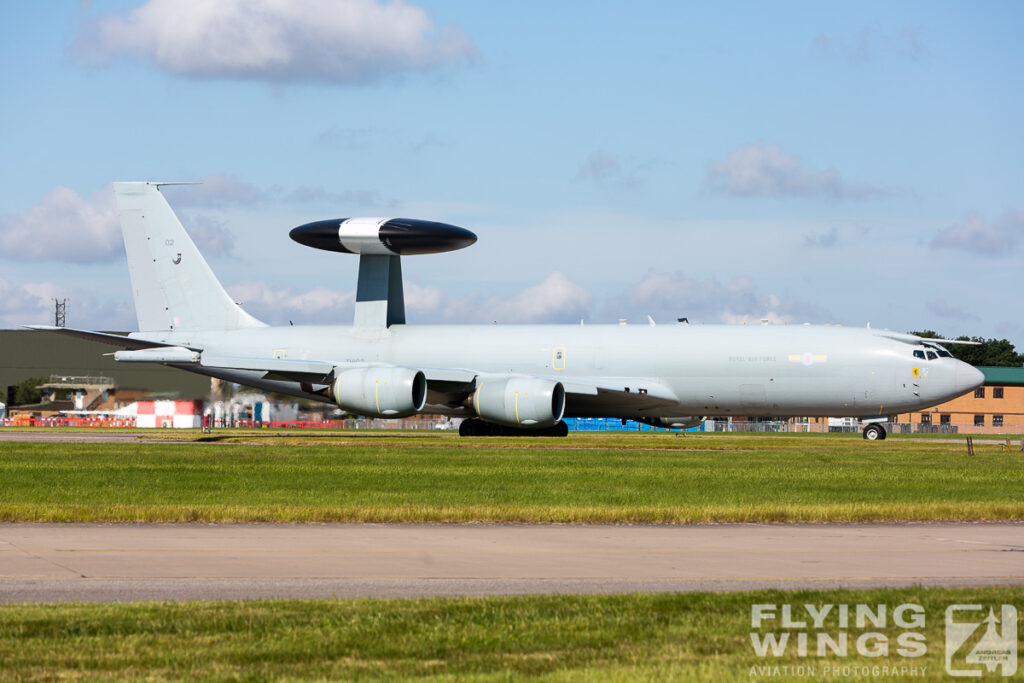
(991, 352)
(27, 391)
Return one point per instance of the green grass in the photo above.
(615, 637)
(414, 477)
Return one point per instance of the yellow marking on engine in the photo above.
(376, 395)
(517, 407)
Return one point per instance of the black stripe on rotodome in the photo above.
(320, 235)
(415, 236)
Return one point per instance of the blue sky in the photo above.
(800, 162)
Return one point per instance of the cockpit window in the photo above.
(918, 353)
(939, 350)
(932, 355)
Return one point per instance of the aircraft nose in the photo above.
(967, 377)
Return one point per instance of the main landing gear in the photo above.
(874, 432)
(475, 427)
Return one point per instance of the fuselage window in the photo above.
(919, 354)
(932, 355)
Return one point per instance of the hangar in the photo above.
(25, 354)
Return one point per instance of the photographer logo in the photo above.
(980, 641)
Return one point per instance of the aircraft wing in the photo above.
(450, 386)
(102, 337)
(908, 338)
(598, 396)
(312, 371)
(323, 372)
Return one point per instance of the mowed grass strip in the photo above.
(637, 478)
(695, 636)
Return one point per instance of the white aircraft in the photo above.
(505, 379)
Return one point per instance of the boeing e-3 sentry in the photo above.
(504, 379)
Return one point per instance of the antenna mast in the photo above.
(61, 306)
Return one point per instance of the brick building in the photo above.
(997, 407)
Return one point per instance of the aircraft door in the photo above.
(558, 358)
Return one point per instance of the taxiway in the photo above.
(127, 562)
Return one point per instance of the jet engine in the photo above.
(520, 401)
(380, 392)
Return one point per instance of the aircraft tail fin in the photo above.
(173, 285)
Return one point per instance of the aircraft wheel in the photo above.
(470, 427)
(560, 429)
(874, 432)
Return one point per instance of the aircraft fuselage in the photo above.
(682, 369)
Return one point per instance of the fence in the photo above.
(605, 424)
(76, 421)
(102, 421)
(575, 424)
(890, 427)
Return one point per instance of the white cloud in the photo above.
(19, 304)
(307, 194)
(216, 191)
(599, 167)
(605, 169)
(319, 305)
(422, 298)
(978, 235)
(31, 303)
(667, 296)
(348, 139)
(210, 234)
(947, 310)
(761, 170)
(222, 191)
(870, 43)
(340, 41)
(825, 240)
(555, 299)
(64, 227)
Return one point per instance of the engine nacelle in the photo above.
(520, 401)
(380, 392)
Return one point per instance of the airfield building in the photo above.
(25, 354)
(996, 407)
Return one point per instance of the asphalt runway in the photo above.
(67, 437)
(128, 562)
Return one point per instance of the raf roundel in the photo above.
(382, 236)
